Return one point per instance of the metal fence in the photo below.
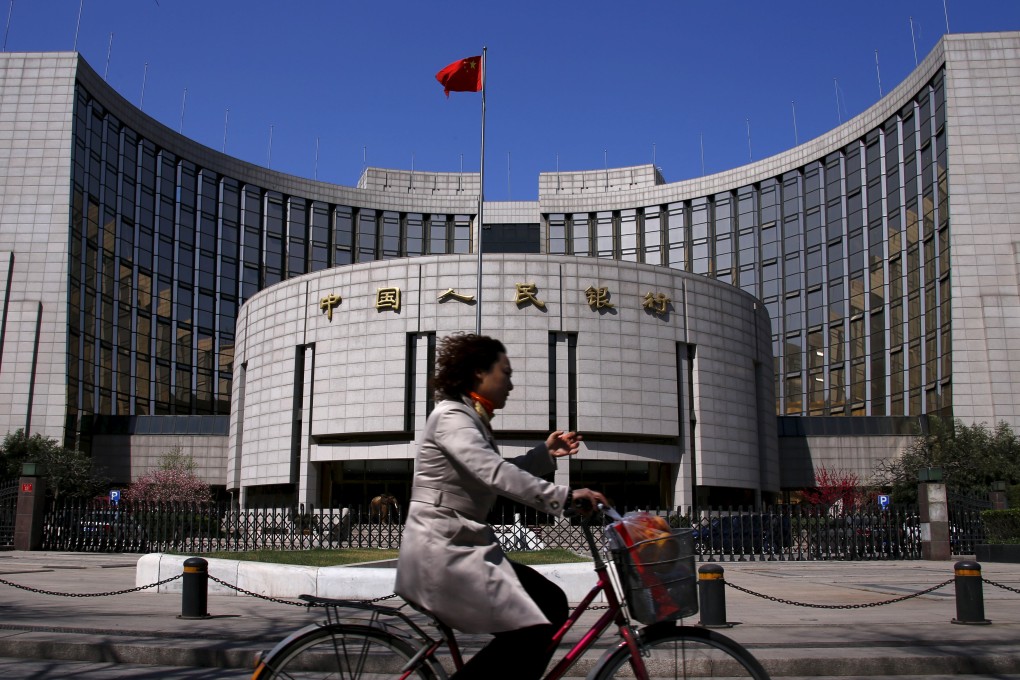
(8, 513)
(785, 532)
(126, 527)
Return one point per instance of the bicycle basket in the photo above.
(658, 577)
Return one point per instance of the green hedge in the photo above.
(1002, 526)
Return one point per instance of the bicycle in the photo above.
(389, 644)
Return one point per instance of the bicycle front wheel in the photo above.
(682, 652)
(343, 652)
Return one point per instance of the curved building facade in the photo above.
(666, 373)
(884, 254)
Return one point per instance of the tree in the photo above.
(68, 472)
(19, 448)
(174, 481)
(971, 457)
(835, 488)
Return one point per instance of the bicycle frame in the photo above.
(614, 614)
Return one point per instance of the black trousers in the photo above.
(521, 654)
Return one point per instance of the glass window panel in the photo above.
(628, 235)
(415, 227)
(793, 354)
(652, 236)
(367, 232)
(391, 235)
(836, 337)
(794, 394)
(604, 234)
(462, 233)
(699, 219)
(837, 390)
(557, 234)
(858, 383)
(581, 232)
(343, 229)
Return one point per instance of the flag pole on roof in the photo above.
(468, 75)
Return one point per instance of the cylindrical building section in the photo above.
(666, 374)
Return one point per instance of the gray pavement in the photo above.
(136, 634)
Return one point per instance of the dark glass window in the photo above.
(367, 234)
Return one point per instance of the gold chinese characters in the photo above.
(328, 303)
(527, 292)
(657, 303)
(387, 298)
(597, 297)
(451, 294)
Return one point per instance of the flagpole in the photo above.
(481, 204)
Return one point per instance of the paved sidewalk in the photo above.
(912, 637)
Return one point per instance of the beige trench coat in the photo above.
(450, 559)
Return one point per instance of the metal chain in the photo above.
(839, 606)
(290, 602)
(112, 592)
(999, 585)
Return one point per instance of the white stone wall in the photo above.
(626, 364)
(983, 94)
(35, 176)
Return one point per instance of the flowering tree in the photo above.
(174, 482)
(835, 488)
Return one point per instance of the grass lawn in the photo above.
(332, 558)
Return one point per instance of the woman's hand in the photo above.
(562, 443)
(586, 500)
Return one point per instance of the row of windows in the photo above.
(163, 253)
(850, 254)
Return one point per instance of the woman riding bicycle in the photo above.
(451, 562)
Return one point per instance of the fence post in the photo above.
(31, 506)
(970, 603)
(712, 596)
(195, 592)
(934, 515)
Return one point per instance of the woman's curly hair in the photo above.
(458, 357)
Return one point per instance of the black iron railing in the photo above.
(784, 532)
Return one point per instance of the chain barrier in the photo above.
(839, 606)
(290, 602)
(112, 592)
(999, 585)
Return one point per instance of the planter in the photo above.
(994, 552)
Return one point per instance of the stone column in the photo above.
(28, 525)
(998, 496)
(934, 515)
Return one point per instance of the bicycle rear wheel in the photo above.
(342, 652)
(682, 652)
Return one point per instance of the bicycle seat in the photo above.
(316, 601)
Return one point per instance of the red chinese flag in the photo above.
(464, 75)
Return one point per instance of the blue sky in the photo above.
(581, 84)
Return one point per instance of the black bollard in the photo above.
(712, 596)
(970, 601)
(195, 592)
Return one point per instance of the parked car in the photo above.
(112, 530)
(743, 534)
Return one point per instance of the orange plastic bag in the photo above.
(648, 540)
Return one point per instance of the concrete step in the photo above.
(786, 661)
